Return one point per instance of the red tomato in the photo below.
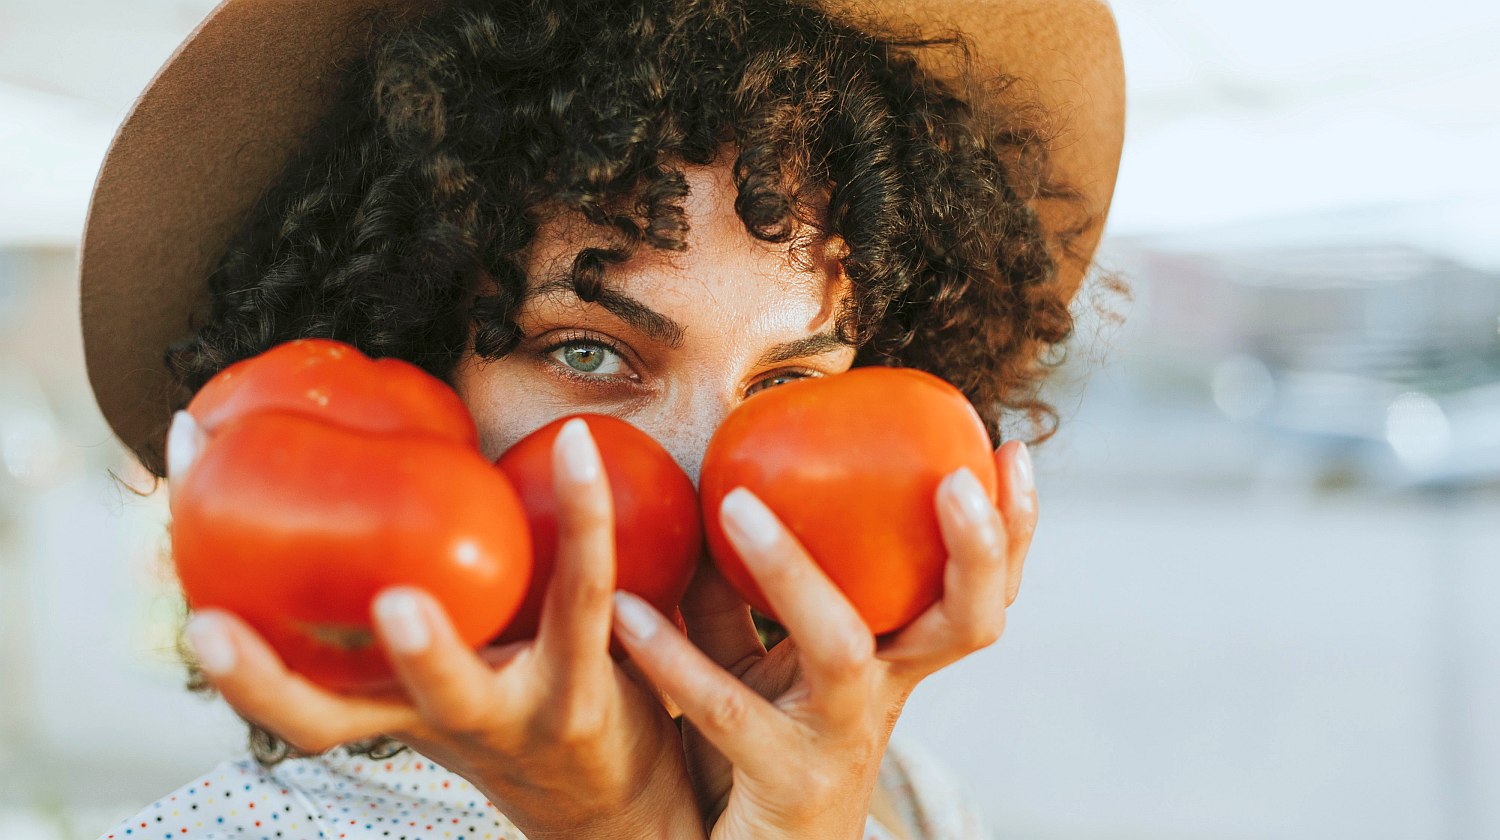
(658, 537)
(299, 509)
(336, 382)
(851, 464)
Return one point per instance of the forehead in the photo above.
(723, 265)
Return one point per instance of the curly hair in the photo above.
(399, 227)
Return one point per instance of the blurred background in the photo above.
(1263, 598)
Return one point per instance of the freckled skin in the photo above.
(734, 296)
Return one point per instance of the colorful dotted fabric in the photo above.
(338, 796)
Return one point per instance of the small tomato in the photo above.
(658, 536)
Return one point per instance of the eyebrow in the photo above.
(813, 345)
(661, 328)
(654, 324)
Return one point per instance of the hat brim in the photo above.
(213, 129)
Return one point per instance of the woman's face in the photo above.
(678, 340)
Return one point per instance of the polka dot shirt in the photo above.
(339, 796)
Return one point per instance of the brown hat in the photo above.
(209, 134)
(227, 111)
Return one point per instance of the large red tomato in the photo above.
(658, 536)
(851, 464)
(294, 517)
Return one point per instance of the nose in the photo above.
(685, 424)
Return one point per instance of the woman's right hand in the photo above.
(787, 743)
(556, 734)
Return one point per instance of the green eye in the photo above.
(773, 381)
(584, 358)
(588, 357)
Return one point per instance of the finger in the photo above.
(741, 724)
(633, 672)
(718, 621)
(575, 621)
(1018, 506)
(721, 627)
(185, 442)
(451, 686)
(971, 614)
(498, 656)
(836, 646)
(254, 681)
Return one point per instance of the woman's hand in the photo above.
(789, 743)
(551, 730)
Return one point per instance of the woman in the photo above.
(649, 208)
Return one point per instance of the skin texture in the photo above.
(779, 744)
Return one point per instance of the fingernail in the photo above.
(208, 636)
(399, 616)
(634, 616)
(748, 520)
(973, 502)
(1022, 478)
(575, 452)
(184, 442)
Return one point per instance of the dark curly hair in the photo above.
(452, 138)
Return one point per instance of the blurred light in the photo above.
(29, 447)
(1243, 387)
(30, 442)
(1417, 429)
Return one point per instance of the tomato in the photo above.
(851, 464)
(297, 511)
(658, 536)
(336, 382)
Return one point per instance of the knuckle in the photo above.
(1021, 528)
(727, 712)
(986, 566)
(822, 783)
(588, 591)
(983, 633)
(851, 659)
(588, 513)
(818, 786)
(989, 549)
(457, 715)
(581, 724)
(309, 740)
(783, 574)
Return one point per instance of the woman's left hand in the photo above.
(789, 743)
